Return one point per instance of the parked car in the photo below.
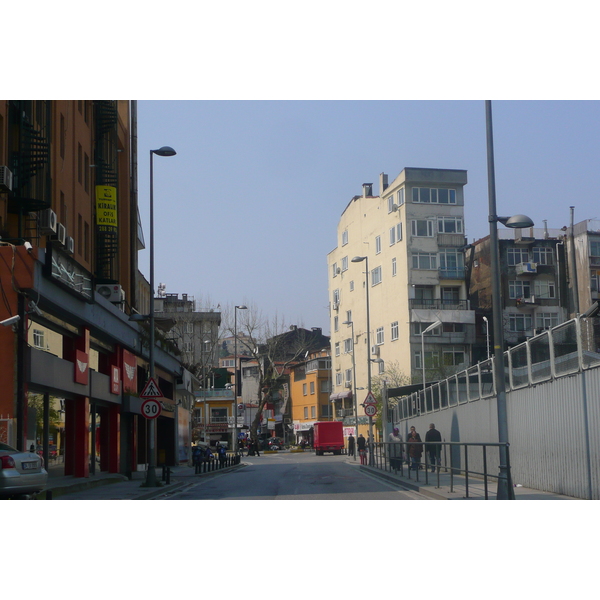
(52, 451)
(21, 473)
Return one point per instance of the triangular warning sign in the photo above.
(151, 389)
(370, 399)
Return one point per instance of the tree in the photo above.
(272, 348)
(394, 377)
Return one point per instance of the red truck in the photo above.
(328, 437)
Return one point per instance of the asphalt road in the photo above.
(294, 476)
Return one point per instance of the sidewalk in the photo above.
(113, 486)
(443, 488)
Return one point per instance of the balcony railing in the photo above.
(439, 304)
(457, 273)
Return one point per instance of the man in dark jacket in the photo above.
(434, 450)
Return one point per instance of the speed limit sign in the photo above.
(370, 410)
(151, 408)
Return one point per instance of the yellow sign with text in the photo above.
(106, 207)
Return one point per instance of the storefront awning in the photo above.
(341, 396)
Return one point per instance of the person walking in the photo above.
(433, 450)
(395, 449)
(415, 448)
(351, 446)
(361, 443)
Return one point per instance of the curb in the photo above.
(80, 486)
(415, 487)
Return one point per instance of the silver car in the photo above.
(21, 473)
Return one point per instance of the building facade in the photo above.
(408, 270)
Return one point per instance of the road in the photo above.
(293, 476)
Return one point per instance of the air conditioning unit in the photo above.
(530, 300)
(61, 234)
(348, 384)
(70, 245)
(47, 222)
(6, 179)
(375, 350)
(111, 291)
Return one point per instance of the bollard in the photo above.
(168, 475)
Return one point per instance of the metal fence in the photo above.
(467, 459)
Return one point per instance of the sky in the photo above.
(247, 210)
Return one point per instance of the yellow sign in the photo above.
(106, 207)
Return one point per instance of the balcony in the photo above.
(456, 273)
(526, 268)
(438, 304)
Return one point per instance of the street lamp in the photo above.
(358, 259)
(487, 335)
(355, 402)
(505, 490)
(428, 329)
(151, 473)
(235, 365)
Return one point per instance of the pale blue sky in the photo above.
(247, 210)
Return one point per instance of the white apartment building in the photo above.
(412, 238)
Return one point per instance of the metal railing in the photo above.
(453, 459)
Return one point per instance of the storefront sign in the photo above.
(115, 380)
(106, 208)
(129, 370)
(81, 367)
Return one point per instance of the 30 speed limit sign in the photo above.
(370, 410)
(151, 408)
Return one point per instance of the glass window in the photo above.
(348, 375)
(313, 410)
(422, 228)
(546, 320)
(594, 248)
(334, 268)
(347, 345)
(394, 267)
(392, 236)
(518, 289)
(344, 238)
(434, 195)
(432, 359)
(519, 322)
(453, 356)
(399, 232)
(379, 336)
(424, 260)
(344, 264)
(312, 387)
(337, 348)
(304, 389)
(376, 276)
(306, 412)
(450, 225)
(378, 244)
(543, 256)
(515, 256)
(394, 330)
(390, 203)
(38, 338)
(400, 196)
(544, 289)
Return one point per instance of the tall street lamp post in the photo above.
(235, 374)
(430, 328)
(358, 259)
(354, 402)
(505, 490)
(151, 473)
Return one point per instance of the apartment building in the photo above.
(401, 255)
(585, 248)
(533, 282)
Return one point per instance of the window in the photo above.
(518, 289)
(345, 237)
(344, 264)
(546, 320)
(419, 327)
(453, 356)
(378, 244)
(347, 345)
(306, 412)
(400, 196)
(188, 346)
(594, 248)
(457, 328)
(399, 232)
(376, 276)
(189, 327)
(337, 348)
(450, 295)
(515, 256)
(452, 263)
(543, 256)
(544, 289)
(518, 322)
(394, 331)
(434, 195)
(228, 362)
(422, 228)
(336, 297)
(424, 260)
(334, 269)
(325, 386)
(304, 389)
(79, 163)
(379, 336)
(336, 321)
(390, 202)
(313, 412)
(348, 316)
(338, 379)
(352, 286)
(394, 267)
(432, 359)
(348, 373)
(450, 225)
(86, 173)
(38, 338)
(312, 387)
(325, 410)
(392, 236)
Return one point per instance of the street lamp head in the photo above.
(164, 151)
(516, 222)
(347, 323)
(242, 307)
(358, 258)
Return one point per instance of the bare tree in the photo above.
(394, 377)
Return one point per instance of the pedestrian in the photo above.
(197, 455)
(351, 444)
(433, 450)
(395, 449)
(361, 443)
(222, 453)
(415, 450)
